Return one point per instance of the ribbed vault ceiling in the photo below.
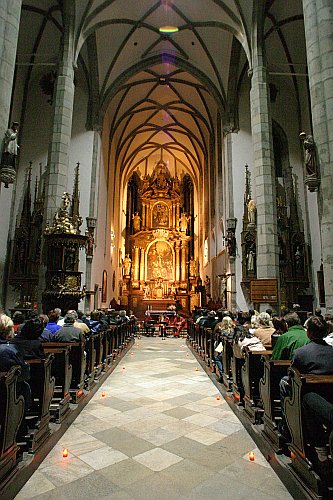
(161, 93)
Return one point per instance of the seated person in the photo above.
(209, 321)
(96, 323)
(294, 338)
(280, 327)
(46, 335)
(264, 331)
(68, 332)
(316, 358)
(18, 320)
(318, 413)
(78, 323)
(10, 356)
(52, 324)
(28, 340)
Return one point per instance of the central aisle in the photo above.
(158, 433)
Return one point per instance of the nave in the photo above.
(155, 429)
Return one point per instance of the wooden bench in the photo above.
(227, 354)
(77, 359)
(42, 388)
(62, 372)
(237, 384)
(252, 372)
(269, 389)
(301, 453)
(11, 415)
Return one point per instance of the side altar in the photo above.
(159, 268)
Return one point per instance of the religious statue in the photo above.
(207, 285)
(231, 243)
(311, 162)
(251, 212)
(310, 153)
(62, 221)
(193, 268)
(9, 155)
(127, 265)
(136, 221)
(90, 244)
(184, 220)
(147, 292)
(250, 261)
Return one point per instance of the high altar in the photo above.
(159, 266)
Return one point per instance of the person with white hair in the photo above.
(265, 330)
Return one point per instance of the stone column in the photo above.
(10, 11)
(318, 25)
(177, 249)
(58, 154)
(92, 211)
(263, 171)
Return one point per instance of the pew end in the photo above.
(302, 455)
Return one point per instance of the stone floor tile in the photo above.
(126, 472)
(67, 471)
(205, 436)
(157, 459)
(103, 457)
(37, 483)
(201, 419)
(125, 442)
(179, 412)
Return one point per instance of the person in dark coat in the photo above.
(68, 332)
(28, 340)
(314, 358)
(10, 356)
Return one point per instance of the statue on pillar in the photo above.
(193, 268)
(310, 161)
(9, 155)
(251, 212)
(184, 220)
(127, 265)
(136, 221)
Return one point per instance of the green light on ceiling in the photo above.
(168, 30)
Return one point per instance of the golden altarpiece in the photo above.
(159, 266)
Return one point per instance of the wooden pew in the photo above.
(90, 362)
(77, 360)
(62, 371)
(42, 388)
(98, 346)
(269, 389)
(11, 415)
(227, 354)
(237, 384)
(301, 453)
(107, 350)
(252, 372)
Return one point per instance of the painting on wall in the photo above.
(160, 261)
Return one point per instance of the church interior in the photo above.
(161, 157)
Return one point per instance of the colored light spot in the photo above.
(251, 456)
(65, 453)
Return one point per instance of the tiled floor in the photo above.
(159, 433)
